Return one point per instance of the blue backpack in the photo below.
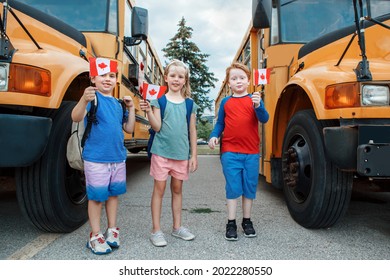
(162, 101)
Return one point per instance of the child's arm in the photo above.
(154, 115)
(261, 112)
(193, 163)
(79, 111)
(219, 126)
(129, 125)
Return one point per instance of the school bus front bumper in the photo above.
(361, 148)
(23, 139)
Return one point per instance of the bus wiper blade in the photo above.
(24, 28)
(362, 70)
(346, 49)
(6, 48)
(377, 22)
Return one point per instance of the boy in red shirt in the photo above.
(238, 118)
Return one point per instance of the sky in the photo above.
(218, 28)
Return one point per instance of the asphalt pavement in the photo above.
(363, 234)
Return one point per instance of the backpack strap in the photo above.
(162, 101)
(91, 118)
(123, 104)
(189, 105)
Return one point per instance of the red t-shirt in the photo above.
(238, 120)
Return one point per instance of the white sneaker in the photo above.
(98, 244)
(158, 239)
(112, 237)
(183, 233)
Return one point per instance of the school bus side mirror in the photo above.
(139, 27)
(261, 13)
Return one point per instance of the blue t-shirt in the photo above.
(172, 139)
(105, 143)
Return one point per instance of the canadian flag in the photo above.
(141, 75)
(100, 66)
(261, 76)
(151, 92)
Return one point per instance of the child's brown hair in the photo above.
(237, 65)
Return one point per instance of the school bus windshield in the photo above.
(86, 15)
(301, 21)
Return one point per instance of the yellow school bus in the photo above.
(328, 99)
(44, 69)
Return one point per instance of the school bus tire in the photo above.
(316, 192)
(135, 150)
(51, 194)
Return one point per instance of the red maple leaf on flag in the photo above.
(152, 92)
(261, 76)
(102, 65)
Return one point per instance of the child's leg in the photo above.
(156, 203)
(250, 180)
(117, 186)
(111, 211)
(247, 224)
(177, 201)
(247, 207)
(94, 212)
(231, 208)
(112, 232)
(232, 166)
(97, 178)
(231, 226)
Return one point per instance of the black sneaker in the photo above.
(231, 232)
(249, 231)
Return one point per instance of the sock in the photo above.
(246, 220)
(232, 221)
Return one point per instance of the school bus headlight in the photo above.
(4, 76)
(342, 96)
(28, 79)
(375, 95)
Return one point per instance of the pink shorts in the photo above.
(161, 167)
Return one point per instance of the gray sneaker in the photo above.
(158, 239)
(183, 233)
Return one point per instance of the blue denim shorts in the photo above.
(241, 174)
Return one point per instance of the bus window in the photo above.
(296, 19)
(112, 25)
(90, 15)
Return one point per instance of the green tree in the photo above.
(201, 80)
(204, 129)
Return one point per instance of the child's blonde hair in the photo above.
(237, 65)
(186, 90)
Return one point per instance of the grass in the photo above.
(205, 150)
(202, 210)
